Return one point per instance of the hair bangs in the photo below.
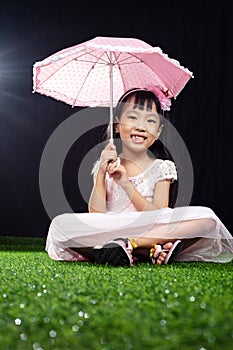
(143, 100)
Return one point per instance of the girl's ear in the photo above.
(117, 121)
(159, 131)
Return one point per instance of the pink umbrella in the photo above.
(97, 72)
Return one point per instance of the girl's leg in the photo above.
(190, 228)
(168, 234)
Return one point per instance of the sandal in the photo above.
(171, 253)
(114, 253)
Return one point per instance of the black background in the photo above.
(196, 33)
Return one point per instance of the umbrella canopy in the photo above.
(97, 72)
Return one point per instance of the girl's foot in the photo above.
(165, 253)
(115, 253)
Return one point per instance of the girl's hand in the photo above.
(108, 155)
(118, 173)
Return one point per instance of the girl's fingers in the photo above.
(111, 166)
(114, 168)
(109, 153)
(110, 146)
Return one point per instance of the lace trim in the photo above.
(160, 169)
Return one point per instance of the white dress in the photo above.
(78, 230)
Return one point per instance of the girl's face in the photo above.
(139, 128)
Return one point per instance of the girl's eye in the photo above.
(151, 121)
(132, 117)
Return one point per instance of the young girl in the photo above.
(129, 216)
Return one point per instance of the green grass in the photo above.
(59, 305)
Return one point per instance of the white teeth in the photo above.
(137, 137)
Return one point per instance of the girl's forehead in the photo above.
(131, 105)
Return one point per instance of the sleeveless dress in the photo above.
(79, 230)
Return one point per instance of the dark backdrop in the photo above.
(196, 33)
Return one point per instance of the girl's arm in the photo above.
(97, 202)
(161, 191)
(160, 198)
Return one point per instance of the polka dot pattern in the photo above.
(80, 75)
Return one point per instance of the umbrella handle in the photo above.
(111, 95)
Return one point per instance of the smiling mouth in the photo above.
(138, 138)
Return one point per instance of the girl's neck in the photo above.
(140, 158)
(135, 164)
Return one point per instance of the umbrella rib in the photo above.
(138, 61)
(104, 63)
(116, 58)
(121, 64)
(78, 60)
(73, 104)
(55, 71)
(83, 54)
(100, 58)
(127, 58)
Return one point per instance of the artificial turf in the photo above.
(46, 304)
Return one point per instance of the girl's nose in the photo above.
(140, 127)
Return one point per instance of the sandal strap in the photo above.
(171, 253)
(155, 251)
(128, 243)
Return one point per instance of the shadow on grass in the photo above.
(8, 243)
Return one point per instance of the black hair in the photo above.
(144, 99)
